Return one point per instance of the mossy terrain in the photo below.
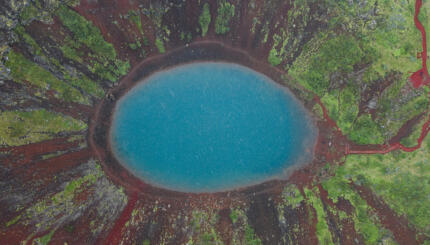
(24, 127)
(60, 59)
(358, 50)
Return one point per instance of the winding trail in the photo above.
(418, 79)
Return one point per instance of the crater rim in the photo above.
(198, 52)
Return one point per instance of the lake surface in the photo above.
(208, 127)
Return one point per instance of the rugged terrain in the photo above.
(360, 66)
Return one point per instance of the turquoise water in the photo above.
(208, 127)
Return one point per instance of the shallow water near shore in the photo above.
(210, 126)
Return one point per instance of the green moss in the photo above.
(203, 224)
(29, 40)
(234, 215)
(78, 81)
(135, 17)
(292, 196)
(225, 13)
(250, 237)
(274, 58)
(205, 19)
(323, 232)
(29, 12)
(103, 59)
(85, 84)
(338, 54)
(13, 221)
(365, 220)
(44, 240)
(71, 50)
(24, 127)
(366, 131)
(402, 180)
(342, 106)
(74, 187)
(133, 46)
(24, 70)
(85, 32)
(160, 46)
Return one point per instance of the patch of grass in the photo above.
(402, 180)
(205, 19)
(24, 70)
(323, 232)
(103, 60)
(24, 127)
(274, 58)
(366, 131)
(250, 236)
(365, 220)
(292, 196)
(234, 216)
(226, 11)
(44, 240)
(160, 45)
(338, 54)
(86, 33)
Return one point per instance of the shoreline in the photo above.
(204, 51)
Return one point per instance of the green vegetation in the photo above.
(103, 60)
(250, 237)
(75, 186)
(222, 21)
(46, 211)
(323, 232)
(361, 48)
(338, 54)
(86, 33)
(274, 58)
(292, 196)
(366, 222)
(24, 127)
(234, 215)
(13, 221)
(44, 240)
(160, 46)
(402, 179)
(203, 225)
(205, 19)
(24, 70)
(135, 17)
(366, 131)
(80, 81)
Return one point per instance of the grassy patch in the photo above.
(403, 180)
(160, 46)
(205, 19)
(24, 127)
(365, 222)
(24, 70)
(103, 57)
(323, 232)
(226, 11)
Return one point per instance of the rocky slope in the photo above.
(358, 65)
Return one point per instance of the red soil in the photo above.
(421, 77)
